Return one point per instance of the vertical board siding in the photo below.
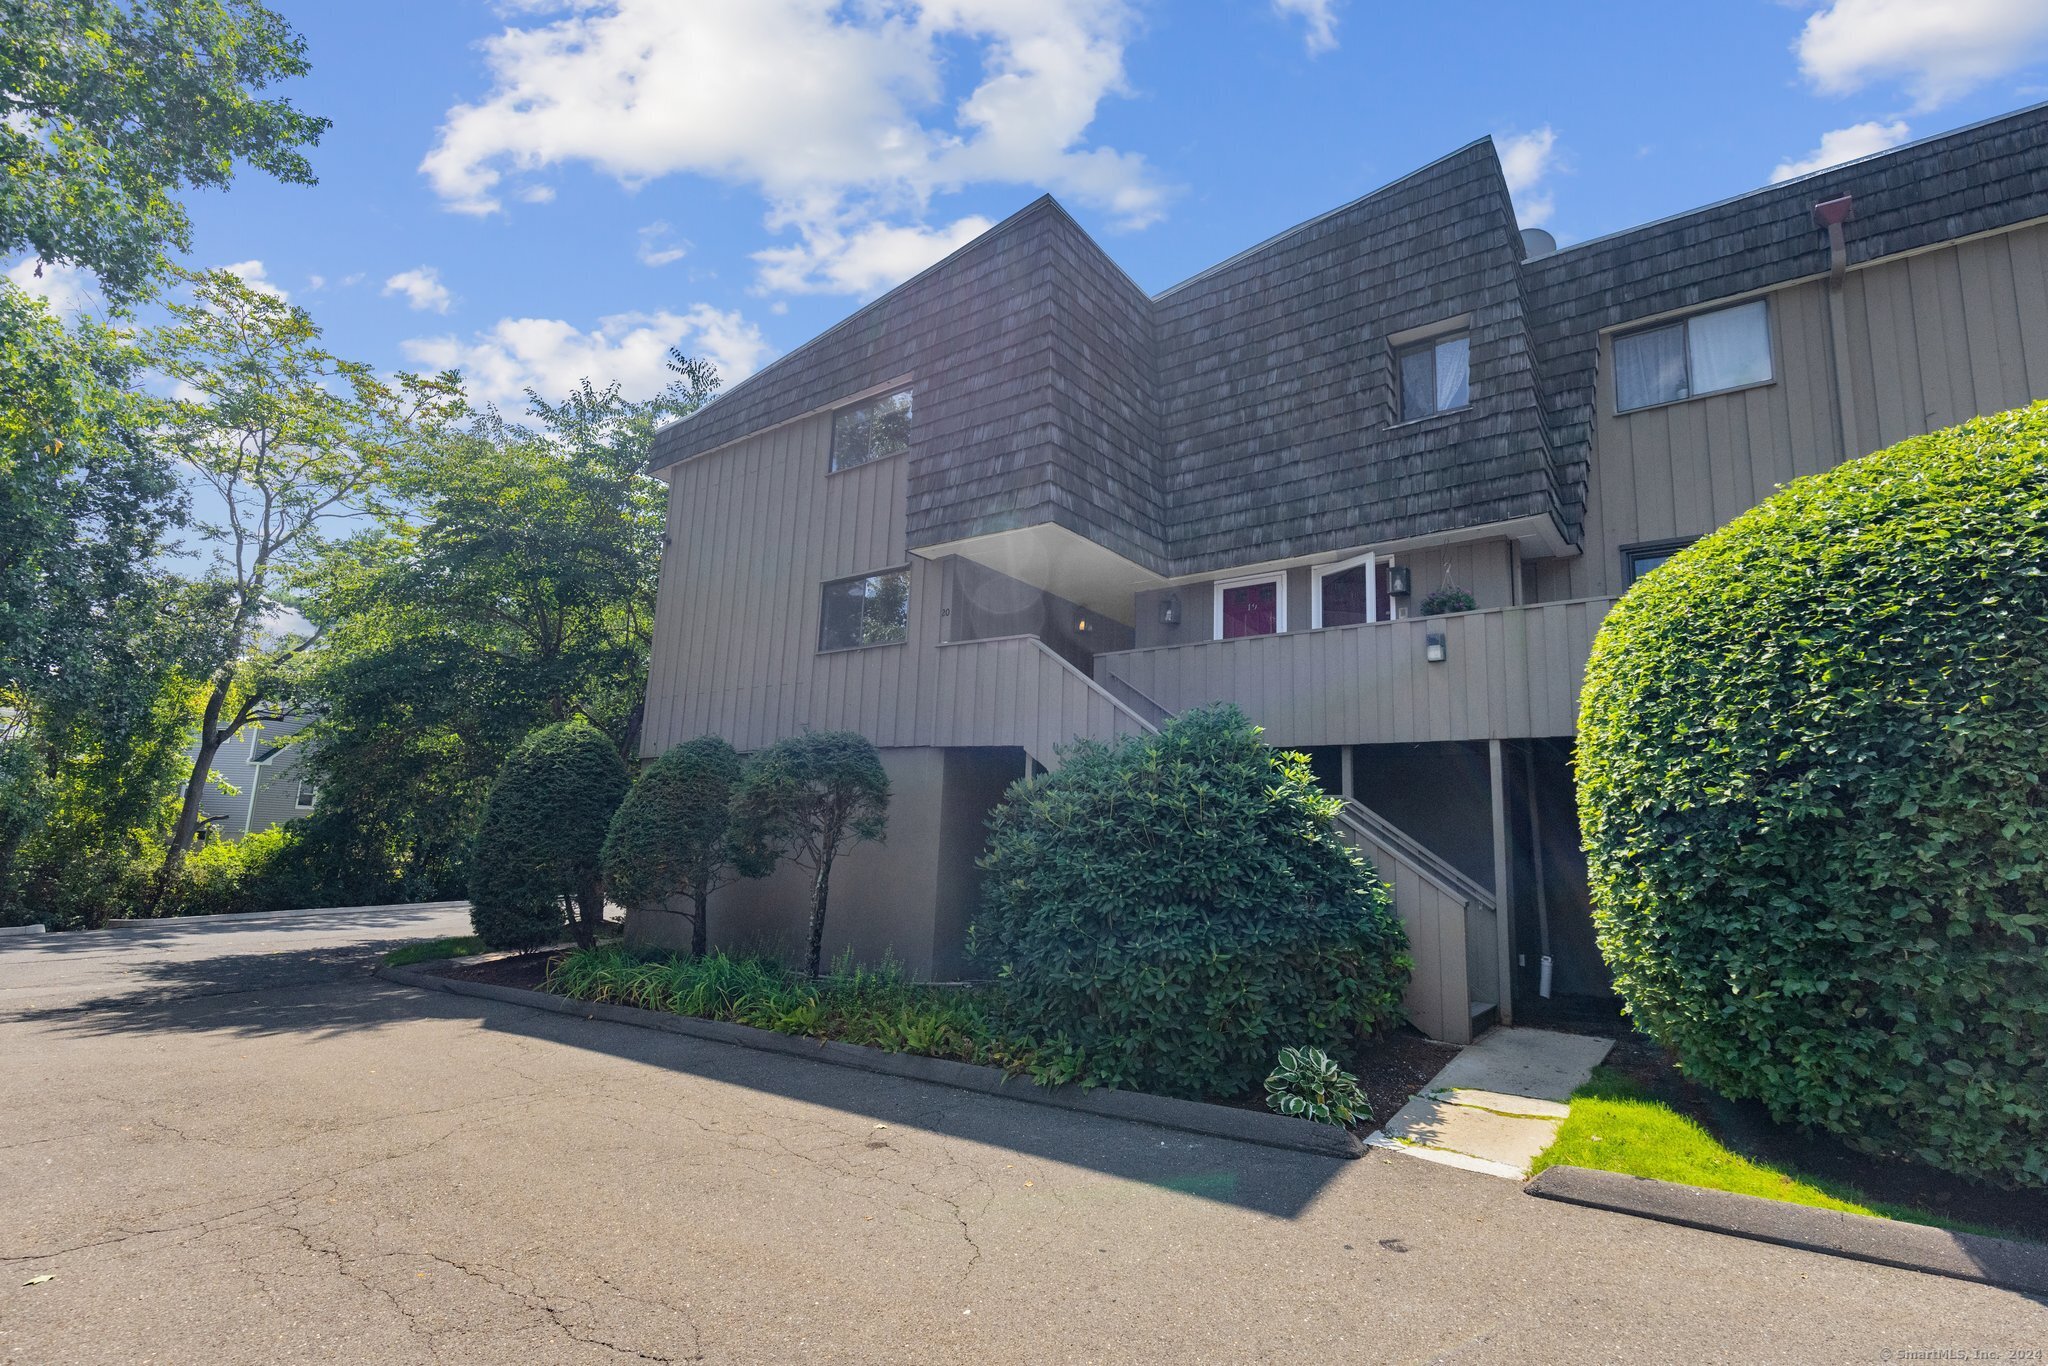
(755, 531)
(1509, 673)
(1438, 998)
(1933, 339)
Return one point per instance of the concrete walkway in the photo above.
(1497, 1104)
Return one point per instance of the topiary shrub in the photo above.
(535, 863)
(805, 798)
(1811, 750)
(668, 837)
(1172, 906)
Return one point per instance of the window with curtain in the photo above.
(873, 609)
(1435, 376)
(871, 430)
(1708, 353)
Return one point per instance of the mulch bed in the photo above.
(1747, 1128)
(527, 970)
(1393, 1067)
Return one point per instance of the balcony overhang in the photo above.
(1058, 561)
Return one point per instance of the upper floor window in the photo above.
(1436, 376)
(871, 430)
(1707, 353)
(873, 609)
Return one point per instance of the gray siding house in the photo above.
(1018, 500)
(261, 782)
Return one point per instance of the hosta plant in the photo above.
(1307, 1084)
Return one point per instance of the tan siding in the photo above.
(755, 531)
(1933, 339)
(1508, 673)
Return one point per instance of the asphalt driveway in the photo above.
(227, 1142)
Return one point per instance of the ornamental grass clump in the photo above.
(1306, 1083)
(1811, 758)
(1162, 910)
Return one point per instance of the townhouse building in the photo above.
(1376, 480)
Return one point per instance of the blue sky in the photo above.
(535, 191)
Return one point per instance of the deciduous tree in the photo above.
(806, 799)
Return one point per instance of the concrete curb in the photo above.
(1187, 1116)
(1861, 1237)
(167, 921)
(18, 931)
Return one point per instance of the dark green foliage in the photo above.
(536, 858)
(1170, 908)
(804, 799)
(669, 835)
(1811, 752)
(513, 586)
(1448, 600)
(114, 106)
(874, 1007)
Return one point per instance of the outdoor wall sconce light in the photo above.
(1399, 578)
(1169, 611)
(1434, 648)
(1080, 621)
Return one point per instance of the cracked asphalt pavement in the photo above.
(226, 1142)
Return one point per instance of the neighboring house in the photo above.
(270, 784)
(1018, 500)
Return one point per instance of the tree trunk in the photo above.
(210, 741)
(590, 900)
(818, 890)
(699, 938)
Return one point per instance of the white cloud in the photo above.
(68, 290)
(253, 276)
(422, 289)
(538, 194)
(1844, 144)
(659, 245)
(316, 283)
(1320, 17)
(641, 89)
(1526, 161)
(866, 259)
(1938, 50)
(550, 355)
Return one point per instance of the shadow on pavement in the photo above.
(325, 992)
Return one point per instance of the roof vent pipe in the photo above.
(1537, 243)
(1831, 214)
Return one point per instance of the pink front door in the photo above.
(1251, 609)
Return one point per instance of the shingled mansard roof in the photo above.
(1246, 413)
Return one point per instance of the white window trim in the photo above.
(297, 804)
(1279, 581)
(1372, 586)
(1684, 322)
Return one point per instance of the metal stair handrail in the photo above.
(1426, 862)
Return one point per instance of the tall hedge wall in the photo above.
(1811, 757)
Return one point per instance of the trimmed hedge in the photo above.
(535, 861)
(1811, 751)
(1172, 909)
(668, 836)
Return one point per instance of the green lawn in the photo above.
(1615, 1126)
(434, 949)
